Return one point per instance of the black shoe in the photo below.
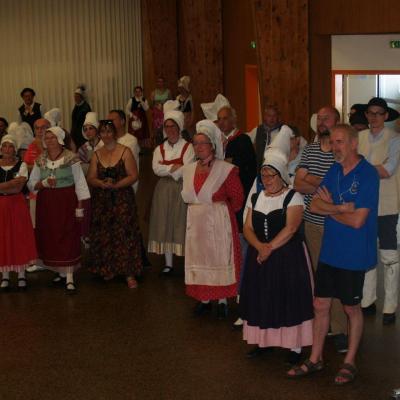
(5, 288)
(341, 343)
(202, 308)
(58, 280)
(22, 285)
(258, 351)
(237, 325)
(167, 271)
(370, 310)
(222, 311)
(293, 358)
(389, 319)
(70, 288)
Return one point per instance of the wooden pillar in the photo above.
(160, 43)
(283, 57)
(200, 48)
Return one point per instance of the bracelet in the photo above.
(79, 212)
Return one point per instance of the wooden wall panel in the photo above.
(200, 48)
(283, 58)
(320, 72)
(238, 31)
(354, 17)
(160, 43)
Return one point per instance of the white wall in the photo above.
(365, 52)
(52, 45)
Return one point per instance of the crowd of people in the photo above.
(287, 229)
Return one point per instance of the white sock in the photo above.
(223, 301)
(21, 275)
(62, 274)
(70, 277)
(296, 350)
(6, 275)
(168, 259)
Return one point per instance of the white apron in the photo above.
(209, 256)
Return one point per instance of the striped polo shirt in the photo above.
(316, 162)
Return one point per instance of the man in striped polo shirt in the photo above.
(317, 158)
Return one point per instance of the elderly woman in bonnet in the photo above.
(168, 211)
(214, 193)
(114, 230)
(276, 292)
(90, 133)
(85, 153)
(58, 179)
(17, 241)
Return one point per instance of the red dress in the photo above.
(231, 192)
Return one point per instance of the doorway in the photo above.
(355, 87)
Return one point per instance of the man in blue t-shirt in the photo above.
(348, 198)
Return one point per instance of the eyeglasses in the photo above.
(88, 127)
(200, 143)
(376, 114)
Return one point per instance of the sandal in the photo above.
(311, 368)
(348, 372)
(132, 283)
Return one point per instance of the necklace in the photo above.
(55, 158)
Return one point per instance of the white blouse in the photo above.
(81, 187)
(171, 153)
(266, 204)
(23, 169)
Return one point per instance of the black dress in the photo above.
(276, 296)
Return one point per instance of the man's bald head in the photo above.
(40, 126)
(226, 119)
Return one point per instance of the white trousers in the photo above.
(390, 261)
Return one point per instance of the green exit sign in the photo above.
(394, 44)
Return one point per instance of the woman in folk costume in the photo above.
(168, 211)
(58, 179)
(158, 97)
(136, 111)
(214, 193)
(276, 300)
(17, 241)
(85, 153)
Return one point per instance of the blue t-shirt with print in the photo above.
(343, 246)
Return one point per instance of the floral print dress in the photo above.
(114, 230)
